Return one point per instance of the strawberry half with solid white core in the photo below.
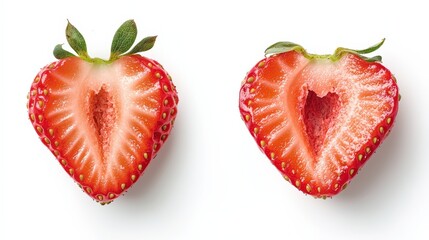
(319, 118)
(104, 120)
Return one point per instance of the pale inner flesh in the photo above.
(320, 113)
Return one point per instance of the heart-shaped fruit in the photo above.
(104, 120)
(319, 118)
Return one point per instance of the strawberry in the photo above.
(104, 120)
(319, 118)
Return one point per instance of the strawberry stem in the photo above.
(281, 47)
(122, 41)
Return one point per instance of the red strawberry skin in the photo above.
(104, 122)
(318, 120)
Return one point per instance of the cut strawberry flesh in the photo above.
(319, 116)
(107, 123)
(313, 118)
(102, 108)
(107, 120)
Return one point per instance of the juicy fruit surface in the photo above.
(318, 121)
(103, 122)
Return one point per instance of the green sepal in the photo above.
(339, 52)
(372, 59)
(123, 39)
(60, 53)
(372, 48)
(144, 45)
(281, 47)
(76, 41)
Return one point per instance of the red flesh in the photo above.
(103, 122)
(318, 121)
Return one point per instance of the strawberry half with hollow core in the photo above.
(104, 120)
(319, 118)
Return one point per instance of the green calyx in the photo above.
(281, 47)
(123, 40)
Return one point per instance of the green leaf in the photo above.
(124, 38)
(144, 45)
(281, 47)
(371, 49)
(339, 52)
(60, 53)
(76, 41)
(372, 59)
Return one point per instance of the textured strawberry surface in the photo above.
(103, 122)
(318, 120)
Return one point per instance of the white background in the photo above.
(210, 181)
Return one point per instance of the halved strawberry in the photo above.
(103, 120)
(319, 118)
